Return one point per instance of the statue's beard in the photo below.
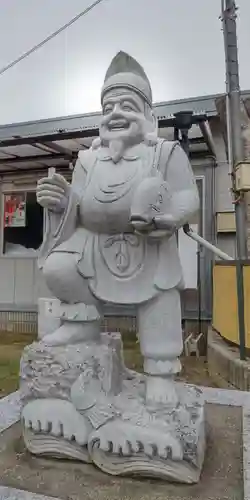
(117, 148)
(119, 142)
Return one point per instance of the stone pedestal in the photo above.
(159, 442)
(80, 402)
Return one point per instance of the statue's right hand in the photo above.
(53, 193)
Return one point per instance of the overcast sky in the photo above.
(179, 43)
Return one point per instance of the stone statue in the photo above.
(111, 238)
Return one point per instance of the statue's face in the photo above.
(123, 117)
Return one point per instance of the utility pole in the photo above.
(236, 151)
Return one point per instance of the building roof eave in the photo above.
(90, 121)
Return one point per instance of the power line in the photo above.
(50, 37)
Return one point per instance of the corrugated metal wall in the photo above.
(21, 282)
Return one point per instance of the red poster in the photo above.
(15, 210)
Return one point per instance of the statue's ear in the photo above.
(152, 130)
(155, 123)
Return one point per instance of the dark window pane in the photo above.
(31, 235)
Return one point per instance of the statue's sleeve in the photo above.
(179, 175)
(59, 227)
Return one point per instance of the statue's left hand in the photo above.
(165, 221)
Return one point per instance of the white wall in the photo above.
(21, 282)
(188, 256)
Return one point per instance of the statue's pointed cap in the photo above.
(124, 63)
(125, 71)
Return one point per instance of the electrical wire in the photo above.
(50, 37)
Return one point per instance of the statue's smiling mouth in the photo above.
(118, 125)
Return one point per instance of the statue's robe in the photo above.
(120, 265)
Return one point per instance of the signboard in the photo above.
(15, 210)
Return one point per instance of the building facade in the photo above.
(28, 150)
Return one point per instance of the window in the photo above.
(22, 225)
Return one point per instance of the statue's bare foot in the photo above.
(126, 439)
(161, 390)
(58, 418)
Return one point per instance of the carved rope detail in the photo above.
(122, 254)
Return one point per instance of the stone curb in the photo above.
(224, 364)
(13, 494)
(9, 411)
